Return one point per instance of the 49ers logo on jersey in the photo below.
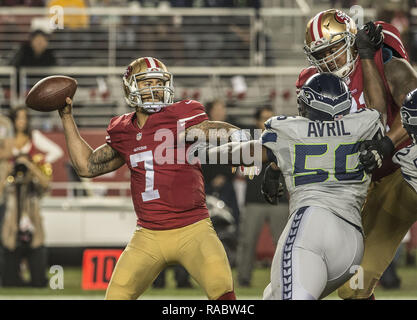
(341, 17)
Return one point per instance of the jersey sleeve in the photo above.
(190, 113)
(114, 135)
(392, 38)
(269, 140)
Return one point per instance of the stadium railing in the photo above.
(179, 36)
(100, 96)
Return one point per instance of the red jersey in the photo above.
(167, 191)
(355, 83)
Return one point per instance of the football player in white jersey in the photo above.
(407, 157)
(318, 154)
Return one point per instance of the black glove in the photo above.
(271, 188)
(368, 40)
(372, 152)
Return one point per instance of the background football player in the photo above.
(407, 157)
(173, 224)
(331, 45)
(318, 154)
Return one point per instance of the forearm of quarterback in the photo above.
(78, 149)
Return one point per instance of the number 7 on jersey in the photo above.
(147, 158)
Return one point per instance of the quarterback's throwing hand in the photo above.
(67, 109)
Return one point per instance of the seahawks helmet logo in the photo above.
(405, 116)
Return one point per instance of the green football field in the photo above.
(72, 288)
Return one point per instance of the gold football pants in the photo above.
(389, 212)
(196, 247)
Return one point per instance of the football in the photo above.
(49, 94)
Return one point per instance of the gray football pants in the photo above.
(315, 255)
(251, 222)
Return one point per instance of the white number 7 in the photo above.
(147, 158)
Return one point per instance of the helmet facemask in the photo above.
(329, 62)
(135, 95)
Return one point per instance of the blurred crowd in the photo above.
(143, 3)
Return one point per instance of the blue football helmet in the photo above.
(409, 114)
(324, 97)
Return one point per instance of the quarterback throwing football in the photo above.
(173, 224)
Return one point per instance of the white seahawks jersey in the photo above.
(320, 160)
(407, 159)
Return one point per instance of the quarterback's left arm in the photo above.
(252, 153)
(216, 133)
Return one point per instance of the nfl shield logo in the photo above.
(139, 136)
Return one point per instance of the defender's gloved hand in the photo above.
(368, 40)
(372, 152)
(271, 188)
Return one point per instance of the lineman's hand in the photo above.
(67, 110)
(368, 40)
(271, 188)
(373, 152)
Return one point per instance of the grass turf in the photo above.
(72, 288)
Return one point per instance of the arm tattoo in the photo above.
(210, 131)
(101, 160)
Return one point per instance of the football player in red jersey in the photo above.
(332, 45)
(173, 224)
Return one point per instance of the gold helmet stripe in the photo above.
(315, 27)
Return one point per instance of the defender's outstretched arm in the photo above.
(247, 154)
